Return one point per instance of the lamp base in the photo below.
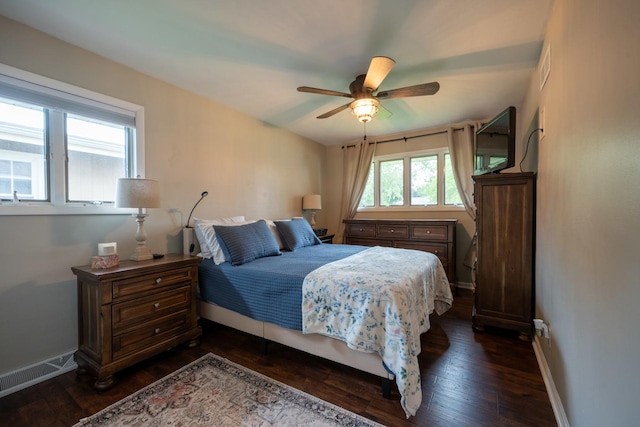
(188, 241)
(141, 253)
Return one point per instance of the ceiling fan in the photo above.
(365, 104)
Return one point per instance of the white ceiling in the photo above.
(251, 55)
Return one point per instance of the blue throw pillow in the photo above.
(296, 233)
(244, 243)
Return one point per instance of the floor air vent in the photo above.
(30, 375)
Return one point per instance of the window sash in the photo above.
(104, 160)
(391, 193)
(428, 181)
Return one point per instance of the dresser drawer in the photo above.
(146, 308)
(361, 230)
(435, 248)
(368, 242)
(392, 230)
(150, 282)
(150, 333)
(430, 232)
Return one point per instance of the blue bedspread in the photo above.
(268, 289)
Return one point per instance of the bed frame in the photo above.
(315, 344)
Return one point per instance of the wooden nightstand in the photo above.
(132, 311)
(327, 238)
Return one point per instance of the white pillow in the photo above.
(206, 236)
(275, 232)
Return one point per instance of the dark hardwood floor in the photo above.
(483, 379)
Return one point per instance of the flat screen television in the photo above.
(495, 145)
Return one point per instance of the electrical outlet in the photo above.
(548, 335)
(542, 122)
(542, 330)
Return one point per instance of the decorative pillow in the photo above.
(297, 233)
(244, 243)
(209, 247)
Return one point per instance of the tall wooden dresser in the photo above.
(132, 311)
(437, 236)
(505, 221)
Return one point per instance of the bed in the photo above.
(359, 306)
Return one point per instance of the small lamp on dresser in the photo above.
(313, 203)
(138, 193)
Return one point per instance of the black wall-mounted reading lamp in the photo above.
(202, 196)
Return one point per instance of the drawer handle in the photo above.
(156, 331)
(428, 231)
(435, 252)
(156, 305)
(158, 280)
(392, 230)
(361, 230)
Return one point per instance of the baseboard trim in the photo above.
(19, 379)
(556, 403)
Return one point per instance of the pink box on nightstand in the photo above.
(105, 261)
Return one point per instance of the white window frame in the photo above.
(406, 207)
(57, 205)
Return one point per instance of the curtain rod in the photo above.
(404, 138)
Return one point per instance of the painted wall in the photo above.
(588, 216)
(192, 145)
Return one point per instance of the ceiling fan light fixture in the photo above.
(365, 109)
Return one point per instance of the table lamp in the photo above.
(313, 203)
(138, 193)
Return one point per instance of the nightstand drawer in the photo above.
(397, 231)
(150, 333)
(150, 282)
(361, 230)
(156, 305)
(431, 232)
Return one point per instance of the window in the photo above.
(62, 148)
(422, 180)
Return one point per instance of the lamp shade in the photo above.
(311, 202)
(137, 193)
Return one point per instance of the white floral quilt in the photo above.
(379, 301)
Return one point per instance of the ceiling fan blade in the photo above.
(404, 92)
(322, 91)
(379, 67)
(383, 113)
(334, 111)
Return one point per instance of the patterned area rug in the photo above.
(213, 391)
